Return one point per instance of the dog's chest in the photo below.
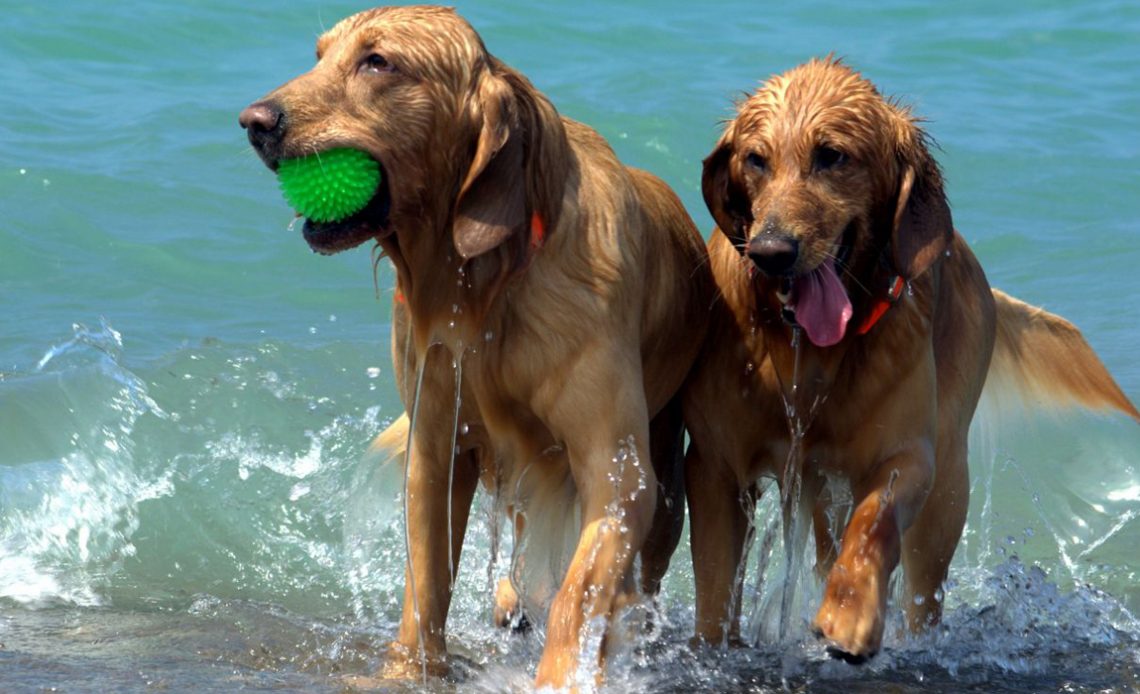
(833, 416)
(504, 384)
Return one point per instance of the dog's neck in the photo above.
(806, 373)
(453, 299)
(457, 300)
(807, 370)
(448, 297)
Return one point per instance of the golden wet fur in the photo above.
(572, 333)
(818, 156)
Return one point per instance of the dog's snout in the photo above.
(264, 122)
(774, 254)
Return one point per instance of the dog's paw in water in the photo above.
(850, 619)
(402, 664)
(508, 612)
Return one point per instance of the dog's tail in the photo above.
(1045, 359)
(392, 443)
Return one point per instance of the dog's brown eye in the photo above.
(828, 158)
(757, 162)
(377, 63)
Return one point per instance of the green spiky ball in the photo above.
(330, 185)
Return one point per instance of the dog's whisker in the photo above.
(705, 260)
(846, 270)
(378, 254)
(718, 296)
(847, 273)
(246, 155)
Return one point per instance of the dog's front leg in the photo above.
(429, 574)
(851, 617)
(718, 528)
(609, 459)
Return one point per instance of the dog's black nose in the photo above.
(264, 122)
(774, 254)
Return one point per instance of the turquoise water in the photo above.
(187, 393)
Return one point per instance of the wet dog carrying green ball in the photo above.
(331, 185)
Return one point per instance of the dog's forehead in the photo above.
(416, 31)
(818, 100)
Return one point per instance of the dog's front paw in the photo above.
(408, 664)
(851, 618)
(508, 612)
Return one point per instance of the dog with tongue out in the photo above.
(828, 204)
(815, 300)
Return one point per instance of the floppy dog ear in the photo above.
(727, 203)
(923, 227)
(492, 200)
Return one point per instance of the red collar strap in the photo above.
(537, 233)
(537, 240)
(880, 305)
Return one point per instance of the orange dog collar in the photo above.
(537, 232)
(880, 306)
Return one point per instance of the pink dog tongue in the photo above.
(821, 305)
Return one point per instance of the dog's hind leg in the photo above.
(666, 447)
(508, 610)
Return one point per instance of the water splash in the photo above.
(68, 520)
(625, 457)
(792, 502)
(457, 367)
(1021, 622)
(591, 643)
(290, 558)
(758, 618)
